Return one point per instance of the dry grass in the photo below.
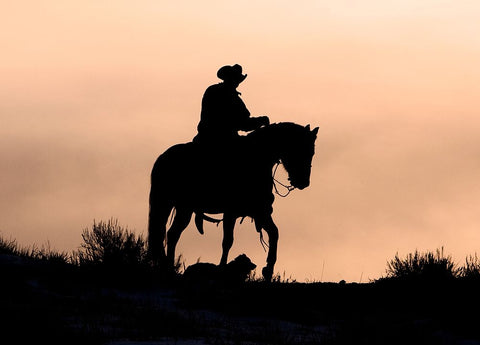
(424, 266)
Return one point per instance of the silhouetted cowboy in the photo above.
(223, 111)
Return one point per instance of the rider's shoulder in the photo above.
(216, 90)
(216, 87)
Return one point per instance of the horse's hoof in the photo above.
(267, 273)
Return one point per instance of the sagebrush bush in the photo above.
(425, 266)
(108, 243)
(471, 269)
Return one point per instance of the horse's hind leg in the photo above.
(157, 227)
(180, 222)
(228, 226)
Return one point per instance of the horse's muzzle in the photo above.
(300, 184)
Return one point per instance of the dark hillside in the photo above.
(46, 302)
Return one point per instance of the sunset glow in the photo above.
(92, 92)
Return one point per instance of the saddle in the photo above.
(224, 164)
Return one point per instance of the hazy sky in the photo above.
(91, 92)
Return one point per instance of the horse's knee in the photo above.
(273, 234)
(227, 241)
(226, 246)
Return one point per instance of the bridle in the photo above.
(275, 181)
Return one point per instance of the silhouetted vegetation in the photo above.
(43, 253)
(80, 302)
(107, 243)
(424, 266)
(431, 267)
(471, 268)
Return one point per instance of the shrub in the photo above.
(471, 269)
(44, 253)
(8, 247)
(424, 266)
(109, 244)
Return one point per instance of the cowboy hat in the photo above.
(233, 73)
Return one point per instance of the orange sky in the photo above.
(92, 92)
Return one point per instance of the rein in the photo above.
(275, 181)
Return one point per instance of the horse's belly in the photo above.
(248, 203)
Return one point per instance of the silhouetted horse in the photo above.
(238, 184)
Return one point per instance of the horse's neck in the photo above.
(267, 145)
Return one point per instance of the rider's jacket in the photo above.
(224, 114)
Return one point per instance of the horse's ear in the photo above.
(307, 127)
(315, 131)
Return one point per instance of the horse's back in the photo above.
(213, 178)
(173, 159)
(187, 174)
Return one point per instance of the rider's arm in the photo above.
(245, 121)
(251, 123)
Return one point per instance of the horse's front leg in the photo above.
(228, 226)
(272, 232)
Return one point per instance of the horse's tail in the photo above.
(159, 211)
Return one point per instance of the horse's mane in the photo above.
(279, 128)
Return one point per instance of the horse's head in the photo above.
(298, 154)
